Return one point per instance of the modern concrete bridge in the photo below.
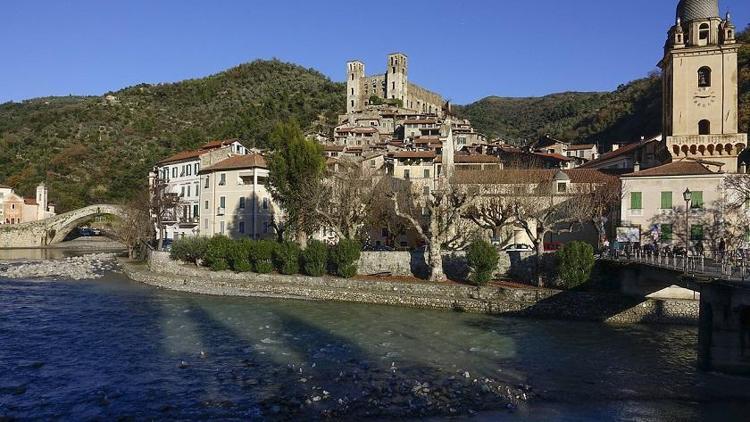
(51, 230)
(724, 287)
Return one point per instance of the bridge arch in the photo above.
(52, 230)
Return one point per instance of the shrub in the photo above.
(262, 256)
(286, 258)
(482, 258)
(315, 258)
(344, 257)
(239, 256)
(189, 249)
(216, 253)
(576, 262)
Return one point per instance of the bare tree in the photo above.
(347, 197)
(492, 210)
(135, 228)
(163, 206)
(433, 217)
(544, 210)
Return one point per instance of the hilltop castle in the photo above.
(392, 87)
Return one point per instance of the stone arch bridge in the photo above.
(51, 230)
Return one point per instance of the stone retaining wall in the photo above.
(511, 301)
(414, 263)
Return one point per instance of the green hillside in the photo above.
(90, 150)
(632, 111)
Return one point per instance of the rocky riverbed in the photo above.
(85, 267)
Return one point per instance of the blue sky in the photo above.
(465, 50)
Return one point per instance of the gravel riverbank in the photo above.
(85, 267)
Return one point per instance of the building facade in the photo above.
(15, 209)
(699, 74)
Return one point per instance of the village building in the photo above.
(235, 200)
(178, 175)
(15, 209)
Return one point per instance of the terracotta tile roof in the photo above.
(472, 159)
(238, 162)
(414, 154)
(553, 156)
(182, 156)
(333, 147)
(623, 150)
(218, 143)
(525, 176)
(29, 201)
(676, 168)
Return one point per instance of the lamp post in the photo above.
(688, 196)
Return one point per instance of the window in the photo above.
(222, 179)
(221, 227)
(704, 127)
(352, 91)
(636, 200)
(195, 167)
(265, 203)
(188, 190)
(697, 200)
(222, 202)
(426, 173)
(562, 187)
(406, 174)
(666, 232)
(704, 77)
(242, 227)
(242, 202)
(206, 185)
(196, 210)
(174, 171)
(182, 191)
(189, 170)
(666, 200)
(426, 190)
(696, 232)
(206, 206)
(205, 223)
(185, 212)
(703, 31)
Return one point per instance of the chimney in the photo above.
(636, 167)
(743, 168)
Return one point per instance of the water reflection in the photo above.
(114, 348)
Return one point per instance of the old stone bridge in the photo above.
(51, 230)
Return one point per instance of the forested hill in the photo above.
(92, 150)
(632, 111)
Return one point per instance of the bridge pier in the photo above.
(724, 328)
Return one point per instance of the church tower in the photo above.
(355, 79)
(396, 77)
(699, 76)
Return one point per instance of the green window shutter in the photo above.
(697, 200)
(696, 232)
(666, 200)
(666, 232)
(636, 200)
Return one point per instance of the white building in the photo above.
(179, 175)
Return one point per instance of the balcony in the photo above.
(635, 213)
(220, 211)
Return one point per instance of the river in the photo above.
(109, 348)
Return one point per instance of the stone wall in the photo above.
(498, 300)
(414, 263)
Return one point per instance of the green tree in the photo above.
(576, 262)
(482, 258)
(296, 169)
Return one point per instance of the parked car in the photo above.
(517, 247)
(85, 231)
(96, 232)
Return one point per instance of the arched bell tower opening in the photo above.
(699, 73)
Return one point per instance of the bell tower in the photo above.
(699, 76)
(396, 77)
(355, 77)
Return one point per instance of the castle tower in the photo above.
(41, 200)
(699, 76)
(396, 79)
(355, 77)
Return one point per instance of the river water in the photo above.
(115, 348)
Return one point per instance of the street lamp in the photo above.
(688, 196)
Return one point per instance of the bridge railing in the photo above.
(730, 267)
